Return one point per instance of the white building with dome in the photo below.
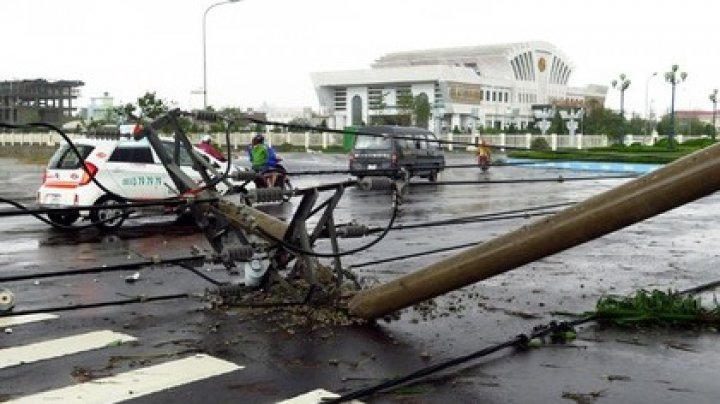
(467, 87)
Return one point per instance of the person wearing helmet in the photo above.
(258, 153)
(264, 160)
(207, 146)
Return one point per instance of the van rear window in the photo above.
(66, 159)
(372, 142)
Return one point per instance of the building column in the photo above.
(455, 121)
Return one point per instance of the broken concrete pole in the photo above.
(678, 183)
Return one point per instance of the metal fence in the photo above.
(319, 141)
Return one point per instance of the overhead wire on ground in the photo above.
(102, 187)
(520, 341)
(131, 300)
(423, 139)
(560, 178)
(299, 250)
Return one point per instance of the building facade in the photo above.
(23, 101)
(466, 88)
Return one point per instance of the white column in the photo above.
(502, 139)
(450, 138)
(324, 140)
(287, 137)
(528, 140)
(553, 141)
(579, 140)
(307, 141)
(630, 139)
(679, 138)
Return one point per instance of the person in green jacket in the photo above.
(259, 154)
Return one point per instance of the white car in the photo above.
(127, 167)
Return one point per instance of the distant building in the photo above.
(467, 87)
(705, 117)
(100, 108)
(23, 101)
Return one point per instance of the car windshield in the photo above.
(372, 142)
(65, 157)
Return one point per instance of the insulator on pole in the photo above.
(352, 230)
(267, 195)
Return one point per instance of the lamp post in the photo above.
(714, 99)
(674, 78)
(622, 85)
(647, 112)
(204, 89)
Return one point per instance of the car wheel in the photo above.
(433, 176)
(110, 218)
(64, 219)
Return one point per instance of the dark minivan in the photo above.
(414, 149)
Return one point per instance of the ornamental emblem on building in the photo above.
(541, 64)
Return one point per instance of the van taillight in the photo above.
(393, 159)
(92, 169)
(44, 177)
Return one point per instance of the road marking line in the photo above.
(313, 397)
(59, 347)
(12, 321)
(136, 383)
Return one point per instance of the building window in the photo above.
(494, 95)
(340, 100)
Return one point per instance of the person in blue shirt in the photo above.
(264, 160)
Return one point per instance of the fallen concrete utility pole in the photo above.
(678, 183)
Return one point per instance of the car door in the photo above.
(132, 166)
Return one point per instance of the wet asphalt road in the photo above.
(677, 249)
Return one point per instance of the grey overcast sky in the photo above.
(264, 50)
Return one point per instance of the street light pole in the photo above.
(674, 79)
(204, 45)
(647, 112)
(622, 85)
(714, 99)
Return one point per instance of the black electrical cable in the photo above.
(520, 341)
(298, 250)
(426, 252)
(77, 153)
(522, 181)
(385, 171)
(360, 132)
(439, 141)
(138, 299)
(467, 220)
(102, 269)
(57, 225)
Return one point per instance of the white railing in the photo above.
(324, 140)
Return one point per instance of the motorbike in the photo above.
(281, 180)
(484, 162)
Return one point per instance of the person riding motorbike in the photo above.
(484, 155)
(265, 161)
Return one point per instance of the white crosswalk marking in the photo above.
(313, 397)
(13, 321)
(136, 383)
(59, 347)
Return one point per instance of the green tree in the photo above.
(422, 111)
(557, 125)
(406, 107)
(151, 106)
